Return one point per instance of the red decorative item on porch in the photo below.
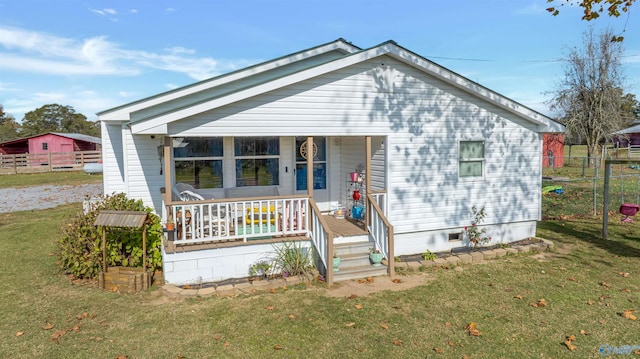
(356, 195)
(628, 209)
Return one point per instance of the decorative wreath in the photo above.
(303, 150)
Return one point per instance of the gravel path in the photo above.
(40, 197)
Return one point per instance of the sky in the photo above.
(96, 55)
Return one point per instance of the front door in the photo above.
(320, 175)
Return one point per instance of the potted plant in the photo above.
(376, 257)
(169, 225)
(336, 262)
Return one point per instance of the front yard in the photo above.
(587, 285)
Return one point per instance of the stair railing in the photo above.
(381, 231)
(322, 239)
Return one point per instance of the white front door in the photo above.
(320, 167)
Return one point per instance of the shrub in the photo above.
(80, 249)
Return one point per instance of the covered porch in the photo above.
(264, 215)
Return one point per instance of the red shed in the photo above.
(553, 145)
(51, 142)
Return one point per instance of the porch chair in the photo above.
(202, 221)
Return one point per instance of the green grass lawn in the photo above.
(48, 178)
(583, 281)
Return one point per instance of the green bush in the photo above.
(80, 249)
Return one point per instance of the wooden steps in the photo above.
(355, 263)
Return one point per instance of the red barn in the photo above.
(553, 145)
(51, 142)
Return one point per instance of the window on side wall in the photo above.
(257, 161)
(198, 161)
(45, 146)
(471, 160)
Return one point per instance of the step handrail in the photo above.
(381, 230)
(322, 238)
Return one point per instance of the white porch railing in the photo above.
(380, 229)
(322, 239)
(240, 219)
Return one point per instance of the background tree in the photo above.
(8, 126)
(592, 9)
(589, 98)
(57, 118)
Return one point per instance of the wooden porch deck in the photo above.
(345, 227)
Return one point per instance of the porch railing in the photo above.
(322, 239)
(381, 230)
(239, 219)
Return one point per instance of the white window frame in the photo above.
(202, 158)
(257, 157)
(482, 159)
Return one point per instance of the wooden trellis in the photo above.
(128, 279)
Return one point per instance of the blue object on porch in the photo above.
(356, 212)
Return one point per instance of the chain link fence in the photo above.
(577, 187)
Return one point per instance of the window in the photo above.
(471, 159)
(198, 161)
(319, 163)
(257, 161)
(45, 146)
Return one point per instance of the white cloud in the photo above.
(133, 11)
(104, 12)
(34, 52)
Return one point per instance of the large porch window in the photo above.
(257, 161)
(319, 163)
(198, 161)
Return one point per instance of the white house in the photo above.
(233, 153)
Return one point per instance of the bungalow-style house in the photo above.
(400, 146)
(51, 142)
(629, 138)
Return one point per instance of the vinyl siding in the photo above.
(144, 179)
(112, 158)
(422, 120)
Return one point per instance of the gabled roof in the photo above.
(74, 136)
(301, 59)
(632, 129)
(152, 115)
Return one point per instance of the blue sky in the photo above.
(95, 55)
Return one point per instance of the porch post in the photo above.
(310, 166)
(167, 174)
(367, 180)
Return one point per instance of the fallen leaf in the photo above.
(352, 296)
(591, 302)
(226, 344)
(570, 345)
(269, 307)
(438, 350)
(273, 290)
(602, 321)
(277, 347)
(122, 357)
(48, 326)
(583, 332)
(571, 338)
(397, 342)
(626, 290)
(628, 313)
(358, 306)
(542, 302)
(362, 281)
(55, 337)
(291, 316)
(519, 296)
(19, 334)
(473, 331)
(605, 285)
(624, 274)
(350, 324)
(384, 326)
(397, 280)
(217, 336)
(572, 279)
(452, 344)
(447, 324)
(370, 279)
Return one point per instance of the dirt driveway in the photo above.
(47, 196)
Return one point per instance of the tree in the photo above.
(593, 9)
(57, 118)
(589, 98)
(8, 126)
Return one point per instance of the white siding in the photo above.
(378, 164)
(143, 175)
(112, 158)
